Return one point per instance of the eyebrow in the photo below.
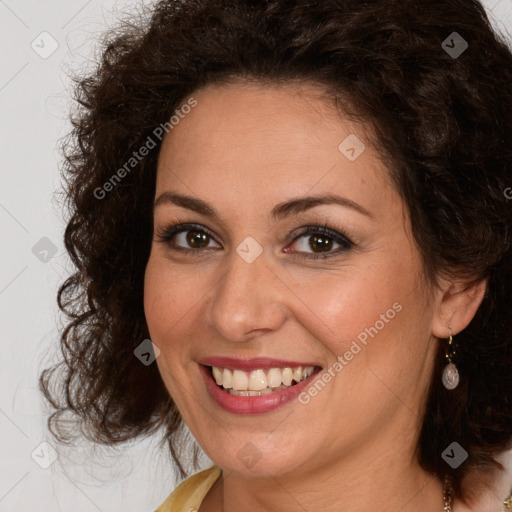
(280, 211)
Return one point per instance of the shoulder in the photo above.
(190, 493)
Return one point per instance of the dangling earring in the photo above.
(450, 373)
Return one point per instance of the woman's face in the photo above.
(250, 286)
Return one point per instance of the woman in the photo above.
(291, 228)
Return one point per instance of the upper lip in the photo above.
(251, 364)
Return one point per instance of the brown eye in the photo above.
(197, 239)
(322, 243)
(186, 237)
(320, 240)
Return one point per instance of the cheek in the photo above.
(347, 305)
(156, 297)
(168, 296)
(373, 320)
(164, 306)
(173, 297)
(374, 327)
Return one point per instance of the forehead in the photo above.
(257, 142)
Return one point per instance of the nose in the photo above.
(248, 299)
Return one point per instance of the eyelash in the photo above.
(168, 233)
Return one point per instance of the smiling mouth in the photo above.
(260, 382)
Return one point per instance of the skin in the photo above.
(244, 148)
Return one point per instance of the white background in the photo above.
(34, 105)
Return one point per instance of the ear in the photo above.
(456, 304)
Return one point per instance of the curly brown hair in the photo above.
(443, 123)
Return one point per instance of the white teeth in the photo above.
(217, 375)
(307, 372)
(227, 379)
(259, 381)
(265, 391)
(240, 380)
(287, 376)
(274, 378)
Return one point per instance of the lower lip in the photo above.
(252, 404)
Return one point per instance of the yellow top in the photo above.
(188, 496)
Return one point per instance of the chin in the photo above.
(257, 460)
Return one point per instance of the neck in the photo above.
(381, 483)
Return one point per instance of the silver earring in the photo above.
(450, 376)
